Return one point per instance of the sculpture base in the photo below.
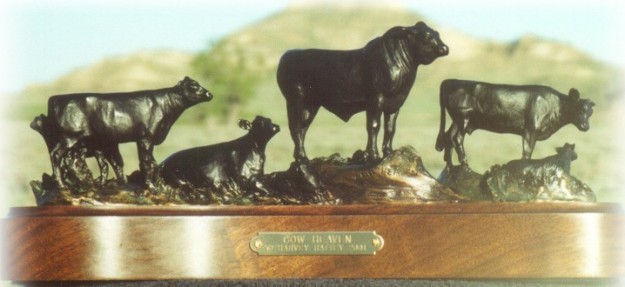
(451, 241)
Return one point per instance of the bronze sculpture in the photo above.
(238, 164)
(102, 154)
(99, 122)
(531, 111)
(376, 78)
(548, 178)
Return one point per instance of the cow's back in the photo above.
(496, 107)
(113, 116)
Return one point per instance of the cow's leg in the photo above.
(104, 167)
(529, 141)
(79, 166)
(115, 159)
(448, 146)
(389, 132)
(457, 140)
(58, 153)
(147, 163)
(373, 128)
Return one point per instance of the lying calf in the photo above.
(240, 161)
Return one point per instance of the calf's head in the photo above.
(261, 128)
(581, 110)
(421, 42)
(567, 150)
(193, 92)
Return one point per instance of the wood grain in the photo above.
(461, 241)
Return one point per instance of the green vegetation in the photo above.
(240, 71)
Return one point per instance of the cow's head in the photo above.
(567, 150)
(581, 110)
(261, 128)
(193, 92)
(423, 43)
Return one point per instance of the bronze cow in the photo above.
(531, 111)
(144, 117)
(240, 161)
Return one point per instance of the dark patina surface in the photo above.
(375, 79)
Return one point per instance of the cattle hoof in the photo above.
(372, 157)
(306, 176)
(302, 160)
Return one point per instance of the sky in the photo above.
(42, 40)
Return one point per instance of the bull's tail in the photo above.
(442, 141)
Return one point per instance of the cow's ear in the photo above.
(245, 124)
(574, 94)
(396, 32)
(420, 24)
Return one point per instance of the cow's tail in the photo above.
(442, 140)
(38, 123)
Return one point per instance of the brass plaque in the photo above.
(317, 243)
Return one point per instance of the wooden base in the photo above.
(459, 241)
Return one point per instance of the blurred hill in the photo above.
(139, 70)
(234, 67)
(240, 71)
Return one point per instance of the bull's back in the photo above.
(328, 78)
(325, 74)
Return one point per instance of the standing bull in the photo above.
(144, 117)
(533, 112)
(240, 161)
(376, 78)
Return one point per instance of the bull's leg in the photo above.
(300, 118)
(373, 128)
(389, 132)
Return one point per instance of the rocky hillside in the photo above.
(241, 67)
(134, 71)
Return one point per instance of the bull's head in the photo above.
(261, 128)
(193, 92)
(581, 110)
(423, 42)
